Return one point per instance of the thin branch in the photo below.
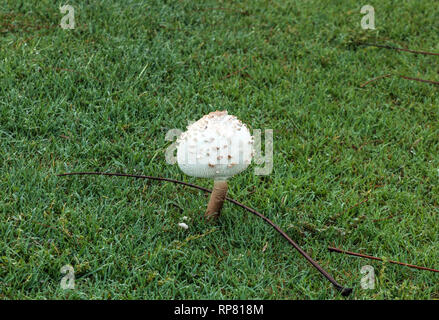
(401, 44)
(400, 76)
(420, 80)
(244, 13)
(399, 49)
(234, 73)
(379, 259)
(343, 290)
(383, 219)
(375, 79)
(335, 217)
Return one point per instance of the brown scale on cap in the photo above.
(216, 113)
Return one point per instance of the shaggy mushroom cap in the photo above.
(217, 146)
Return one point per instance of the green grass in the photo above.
(102, 97)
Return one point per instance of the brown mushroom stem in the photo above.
(216, 201)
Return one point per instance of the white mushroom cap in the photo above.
(183, 225)
(216, 146)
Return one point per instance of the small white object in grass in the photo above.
(183, 225)
(185, 218)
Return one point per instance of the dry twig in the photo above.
(399, 49)
(379, 259)
(400, 76)
(343, 290)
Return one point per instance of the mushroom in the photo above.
(217, 146)
(183, 225)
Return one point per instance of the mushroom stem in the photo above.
(216, 201)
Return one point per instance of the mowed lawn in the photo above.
(354, 167)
